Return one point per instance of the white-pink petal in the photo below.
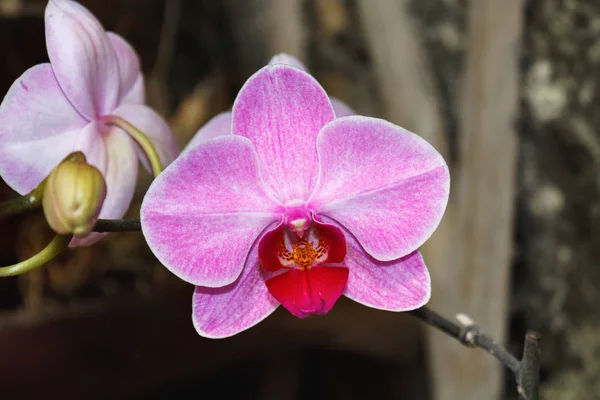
(202, 215)
(35, 117)
(226, 311)
(341, 109)
(383, 183)
(114, 154)
(281, 110)
(131, 87)
(155, 128)
(218, 125)
(399, 285)
(287, 59)
(82, 57)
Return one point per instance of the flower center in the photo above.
(304, 253)
(301, 253)
(297, 218)
(315, 278)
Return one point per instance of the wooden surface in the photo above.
(470, 254)
(476, 280)
(405, 82)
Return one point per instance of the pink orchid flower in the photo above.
(60, 107)
(283, 203)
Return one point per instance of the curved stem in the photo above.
(140, 139)
(526, 370)
(23, 203)
(54, 248)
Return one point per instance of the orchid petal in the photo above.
(386, 185)
(201, 216)
(341, 109)
(35, 116)
(218, 125)
(281, 110)
(131, 78)
(114, 154)
(226, 311)
(82, 57)
(286, 59)
(154, 128)
(399, 285)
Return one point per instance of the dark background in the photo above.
(507, 90)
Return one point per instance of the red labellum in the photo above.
(308, 287)
(310, 290)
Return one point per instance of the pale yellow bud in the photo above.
(73, 196)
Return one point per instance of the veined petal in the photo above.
(226, 311)
(120, 173)
(399, 285)
(287, 59)
(386, 185)
(131, 79)
(35, 116)
(91, 143)
(218, 125)
(137, 94)
(341, 109)
(82, 57)
(305, 292)
(154, 127)
(201, 216)
(281, 110)
(114, 154)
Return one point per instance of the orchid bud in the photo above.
(73, 196)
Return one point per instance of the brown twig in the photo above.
(528, 375)
(526, 371)
(118, 225)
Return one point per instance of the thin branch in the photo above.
(528, 376)
(526, 371)
(118, 225)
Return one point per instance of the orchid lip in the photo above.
(313, 276)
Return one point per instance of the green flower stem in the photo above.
(140, 138)
(23, 203)
(54, 248)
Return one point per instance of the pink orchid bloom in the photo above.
(281, 202)
(60, 107)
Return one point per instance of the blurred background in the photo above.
(507, 91)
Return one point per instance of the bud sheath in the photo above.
(73, 196)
